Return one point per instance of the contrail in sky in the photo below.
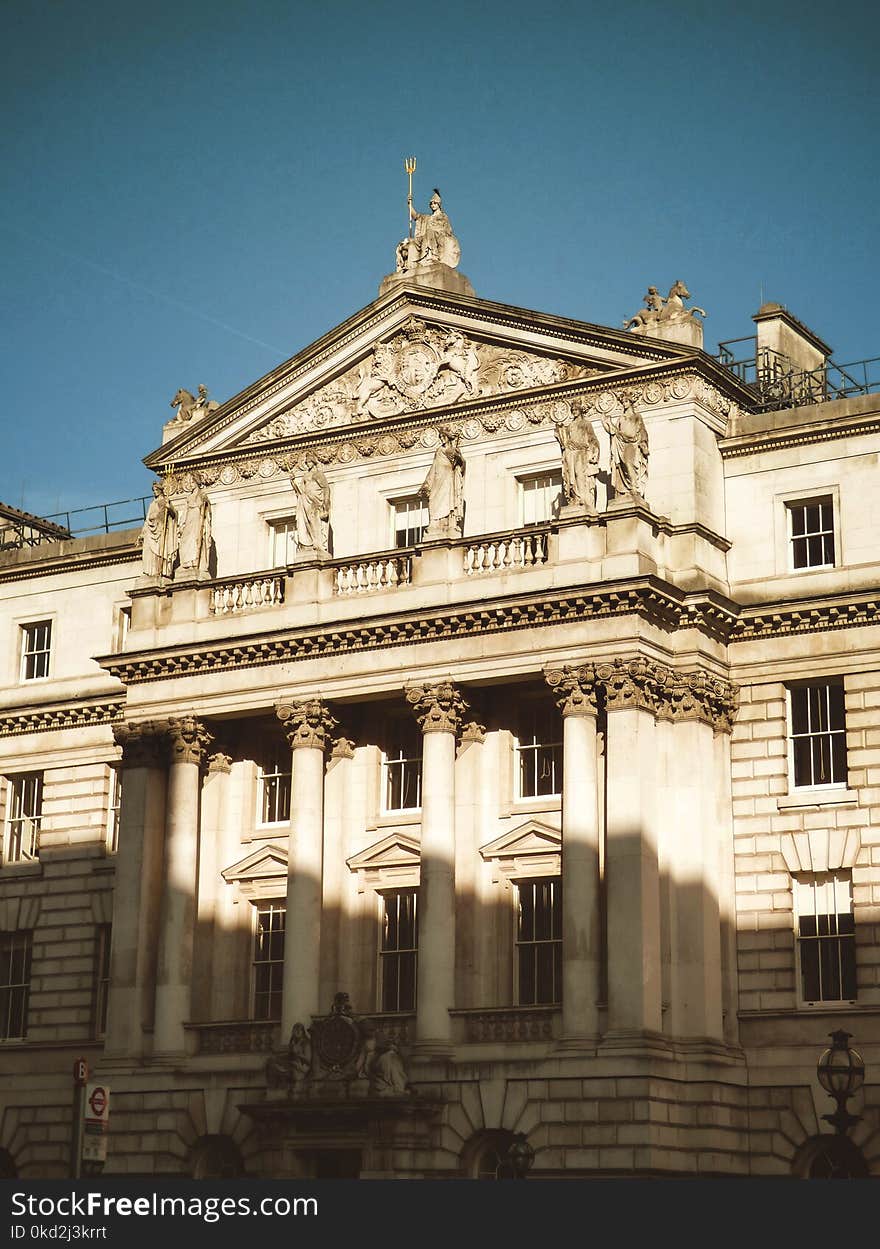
(139, 286)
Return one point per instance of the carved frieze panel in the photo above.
(421, 366)
(508, 416)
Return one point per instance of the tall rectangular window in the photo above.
(102, 979)
(399, 950)
(539, 941)
(113, 810)
(36, 650)
(268, 960)
(826, 937)
(811, 533)
(123, 624)
(273, 784)
(15, 983)
(538, 750)
(24, 813)
(402, 766)
(818, 734)
(540, 497)
(282, 541)
(410, 520)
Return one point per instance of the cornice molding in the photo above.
(761, 441)
(648, 597)
(66, 715)
(70, 562)
(767, 620)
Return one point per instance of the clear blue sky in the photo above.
(195, 190)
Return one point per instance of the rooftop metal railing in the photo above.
(778, 383)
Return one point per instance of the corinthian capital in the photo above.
(635, 683)
(705, 697)
(308, 723)
(575, 689)
(188, 740)
(143, 744)
(438, 708)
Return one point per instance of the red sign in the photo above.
(80, 1071)
(98, 1101)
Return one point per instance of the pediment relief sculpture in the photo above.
(421, 366)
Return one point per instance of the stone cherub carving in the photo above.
(659, 312)
(629, 449)
(580, 457)
(433, 241)
(194, 529)
(192, 407)
(159, 536)
(312, 508)
(444, 488)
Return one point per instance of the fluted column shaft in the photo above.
(308, 725)
(439, 709)
(187, 740)
(137, 888)
(576, 694)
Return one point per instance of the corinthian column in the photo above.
(633, 690)
(575, 690)
(438, 709)
(308, 725)
(187, 740)
(137, 887)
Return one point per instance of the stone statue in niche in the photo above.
(312, 509)
(444, 488)
(159, 536)
(629, 450)
(580, 457)
(194, 530)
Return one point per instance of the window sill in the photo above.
(406, 815)
(818, 798)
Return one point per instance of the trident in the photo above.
(409, 165)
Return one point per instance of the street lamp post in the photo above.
(841, 1073)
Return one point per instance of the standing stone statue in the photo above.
(629, 450)
(444, 487)
(433, 238)
(312, 509)
(158, 537)
(194, 529)
(580, 458)
(387, 1073)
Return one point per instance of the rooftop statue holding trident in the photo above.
(429, 239)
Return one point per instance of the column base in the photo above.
(576, 1045)
(429, 1048)
(638, 1042)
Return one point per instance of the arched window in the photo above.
(485, 1155)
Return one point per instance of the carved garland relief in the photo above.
(538, 413)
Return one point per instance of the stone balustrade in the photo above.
(524, 548)
(509, 1023)
(376, 572)
(247, 593)
(238, 1037)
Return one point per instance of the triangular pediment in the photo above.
(395, 850)
(413, 352)
(532, 838)
(261, 864)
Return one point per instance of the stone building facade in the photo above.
(479, 741)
